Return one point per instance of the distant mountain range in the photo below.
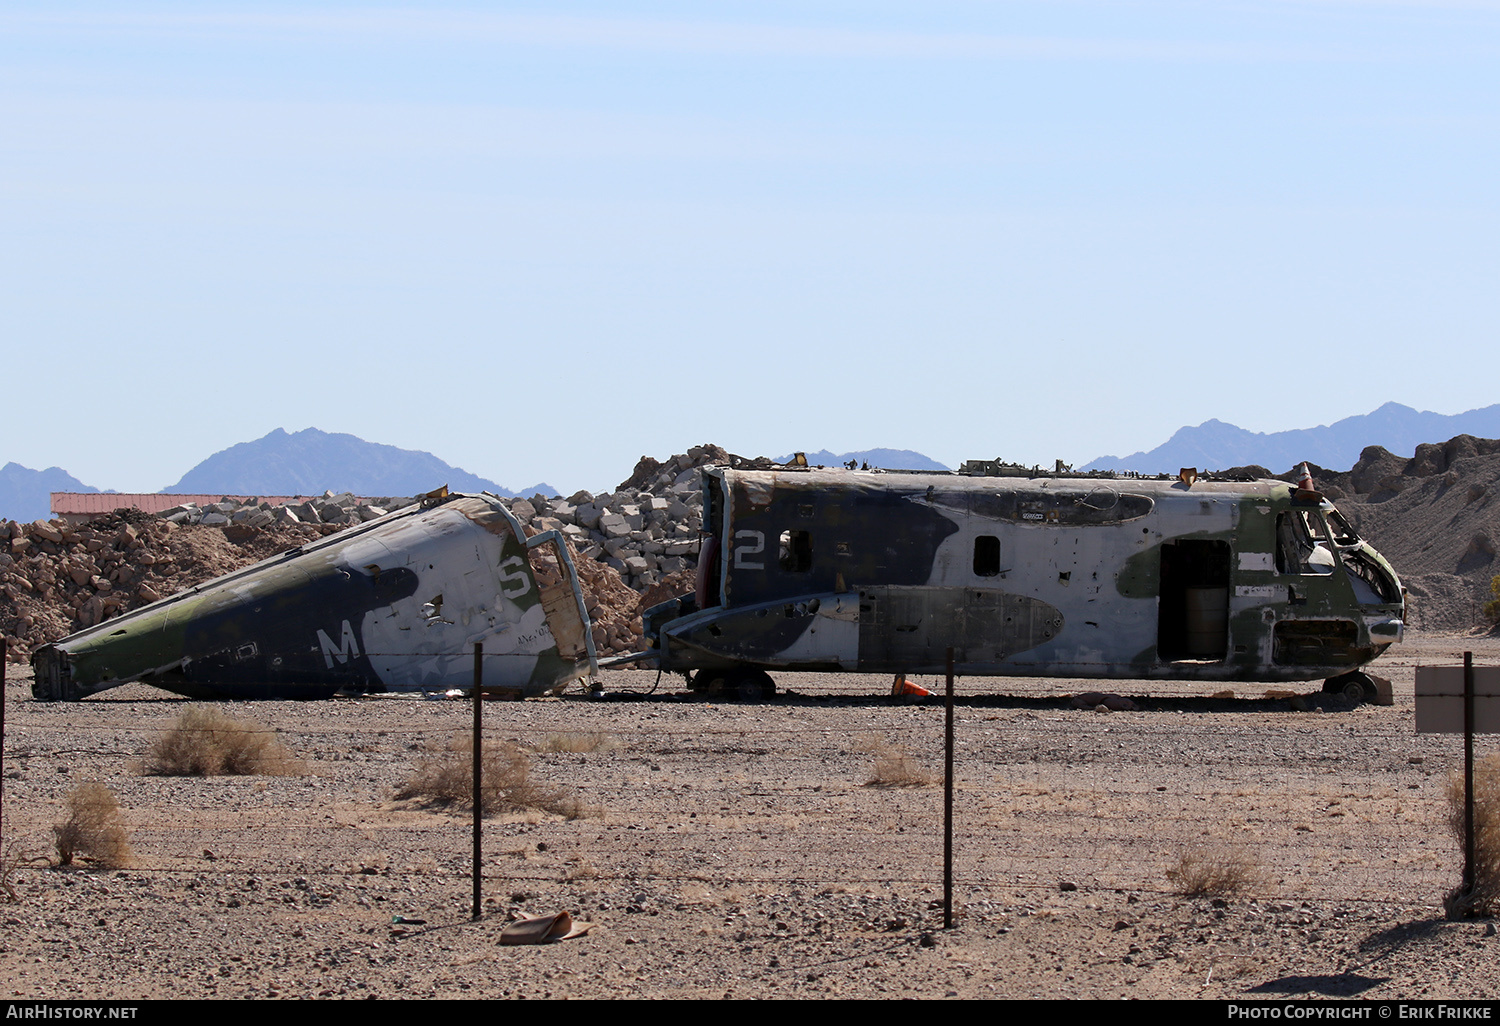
(887, 459)
(304, 463)
(311, 461)
(27, 494)
(1214, 445)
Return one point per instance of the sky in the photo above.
(543, 240)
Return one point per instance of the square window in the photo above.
(796, 551)
(986, 556)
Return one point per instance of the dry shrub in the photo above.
(445, 777)
(94, 827)
(1485, 898)
(577, 742)
(1213, 872)
(10, 861)
(895, 768)
(580, 869)
(205, 742)
(697, 891)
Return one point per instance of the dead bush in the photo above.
(1485, 898)
(580, 869)
(577, 742)
(1203, 872)
(10, 861)
(206, 742)
(445, 777)
(894, 767)
(94, 827)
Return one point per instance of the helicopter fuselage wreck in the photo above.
(1048, 576)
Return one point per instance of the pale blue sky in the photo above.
(542, 240)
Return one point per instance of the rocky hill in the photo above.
(309, 461)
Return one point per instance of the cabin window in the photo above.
(796, 551)
(1302, 545)
(1372, 585)
(986, 556)
(1343, 534)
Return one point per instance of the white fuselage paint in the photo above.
(460, 563)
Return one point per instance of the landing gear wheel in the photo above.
(735, 685)
(754, 685)
(706, 682)
(1356, 687)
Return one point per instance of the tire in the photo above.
(735, 685)
(1354, 686)
(1355, 690)
(754, 686)
(707, 682)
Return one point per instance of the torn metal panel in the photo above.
(397, 604)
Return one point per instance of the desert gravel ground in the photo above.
(742, 850)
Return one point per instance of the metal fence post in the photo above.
(4, 658)
(478, 792)
(1468, 773)
(948, 807)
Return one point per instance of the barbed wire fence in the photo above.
(1043, 797)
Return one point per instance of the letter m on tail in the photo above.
(346, 647)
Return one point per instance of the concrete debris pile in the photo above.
(638, 544)
(56, 579)
(614, 609)
(341, 510)
(645, 530)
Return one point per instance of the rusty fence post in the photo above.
(948, 807)
(4, 658)
(477, 795)
(1468, 774)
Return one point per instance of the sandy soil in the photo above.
(740, 850)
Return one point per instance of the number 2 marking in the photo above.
(741, 551)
